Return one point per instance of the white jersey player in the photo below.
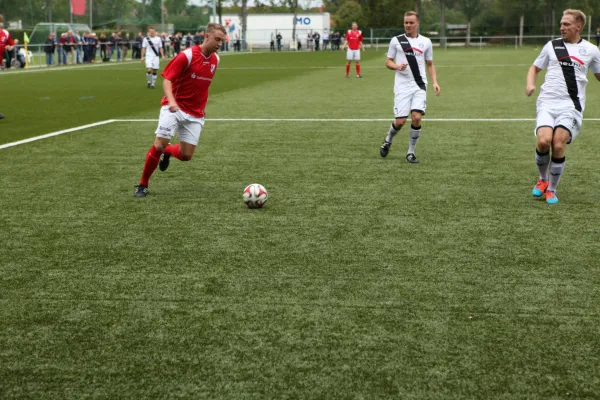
(152, 52)
(410, 55)
(561, 101)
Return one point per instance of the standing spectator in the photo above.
(598, 36)
(197, 38)
(325, 40)
(272, 41)
(176, 43)
(309, 41)
(62, 49)
(103, 49)
(238, 43)
(188, 40)
(85, 48)
(317, 39)
(227, 42)
(94, 46)
(278, 38)
(70, 47)
(78, 47)
(167, 43)
(112, 45)
(126, 45)
(138, 45)
(49, 50)
(118, 45)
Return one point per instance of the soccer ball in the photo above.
(255, 195)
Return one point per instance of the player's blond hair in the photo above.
(212, 27)
(577, 14)
(411, 13)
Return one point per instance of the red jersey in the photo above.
(5, 40)
(354, 38)
(191, 74)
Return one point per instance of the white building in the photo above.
(262, 26)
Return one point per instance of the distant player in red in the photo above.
(353, 42)
(6, 40)
(6, 43)
(187, 79)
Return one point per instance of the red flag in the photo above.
(78, 7)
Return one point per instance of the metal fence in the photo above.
(128, 51)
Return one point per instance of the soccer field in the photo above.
(362, 278)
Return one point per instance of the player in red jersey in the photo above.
(354, 44)
(6, 41)
(187, 79)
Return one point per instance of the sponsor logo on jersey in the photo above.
(571, 61)
(583, 52)
(212, 68)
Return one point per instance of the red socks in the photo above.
(174, 151)
(357, 69)
(152, 160)
(347, 69)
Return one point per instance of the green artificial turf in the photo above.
(362, 278)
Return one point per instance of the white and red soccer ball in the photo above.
(255, 195)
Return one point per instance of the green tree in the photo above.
(349, 12)
(471, 9)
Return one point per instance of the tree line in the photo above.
(481, 17)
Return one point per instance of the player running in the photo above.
(187, 79)
(354, 39)
(152, 52)
(409, 55)
(561, 101)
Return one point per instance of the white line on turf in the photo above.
(258, 68)
(48, 135)
(58, 68)
(80, 128)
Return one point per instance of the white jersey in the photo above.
(414, 52)
(157, 42)
(565, 81)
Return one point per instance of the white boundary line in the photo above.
(48, 135)
(72, 67)
(110, 121)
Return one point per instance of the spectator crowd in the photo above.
(73, 47)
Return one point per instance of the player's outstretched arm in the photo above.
(390, 64)
(168, 88)
(532, 75)
(433, 74)
(162, 53)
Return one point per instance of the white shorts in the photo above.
(186, 127)
(570, 119)
(353, 55)
(152, 63)
(406, 102)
